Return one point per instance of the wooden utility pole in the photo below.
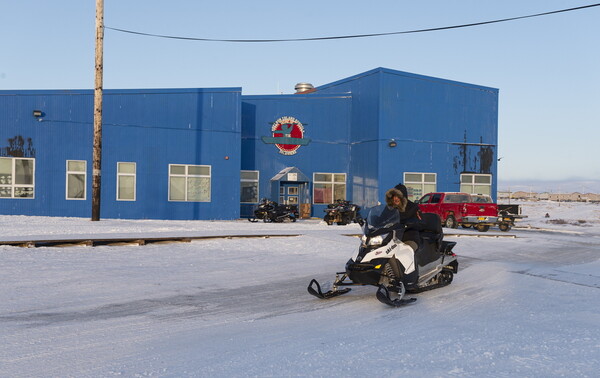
(97, 149)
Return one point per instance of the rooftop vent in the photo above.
(303, 87)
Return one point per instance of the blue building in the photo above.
(213, 153)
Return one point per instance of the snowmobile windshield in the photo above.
(381, 219)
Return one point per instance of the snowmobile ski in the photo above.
(383, 295)
(315, 289)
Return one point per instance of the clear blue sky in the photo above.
(546, 68)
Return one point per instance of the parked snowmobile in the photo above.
(270, 211)
(342, 212)
(383, 260)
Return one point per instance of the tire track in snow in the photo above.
(566, 277)
(110, 334)
(290, 296)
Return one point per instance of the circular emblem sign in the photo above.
(287, 135)
(288, 128)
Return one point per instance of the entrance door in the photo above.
(289, 193)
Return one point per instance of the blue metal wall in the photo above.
(326, 120)
(153, 128)
(65, 133)
(365, 171)
(440, 126)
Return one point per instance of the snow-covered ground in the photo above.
(527, 306)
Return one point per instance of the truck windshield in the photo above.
(457, 198)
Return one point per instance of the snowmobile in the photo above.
(342, 212)
(270, 211)
(383, 260)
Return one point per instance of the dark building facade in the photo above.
(213, 153)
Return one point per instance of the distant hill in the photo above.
(549, 186)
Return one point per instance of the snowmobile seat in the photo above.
(432, 229)
(431, 239)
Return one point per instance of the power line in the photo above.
(352, 36)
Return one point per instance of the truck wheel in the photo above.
(482, 227)
(451, 222)
(504, 227)
(466, 225)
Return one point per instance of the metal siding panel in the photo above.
(190, 128)
(61, 135)
(428, 117)
(431, 116)
(326, 121)
(365, 169)
(428, 114)
(150, 127)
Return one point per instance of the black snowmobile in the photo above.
(270, 211)
(383, 260)
(342, 212)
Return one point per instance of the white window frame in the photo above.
(13, 187)
(421, 183)
(188, 176)
(84, 173)
(333, 185)
(468, 186)
(123, 174)
(257, 181)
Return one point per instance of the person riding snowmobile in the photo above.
(410, 215)
(393, 263)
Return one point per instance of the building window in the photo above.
(76, 179)
(249, 186)
(476, 183)
(328, 187)
(17, 177)
(189, 183)
(418, 184)
(126, 181)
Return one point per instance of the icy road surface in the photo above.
(524, 306)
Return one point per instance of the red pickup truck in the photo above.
(461, 208)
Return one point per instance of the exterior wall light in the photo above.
(392, 143)
(38, 113)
